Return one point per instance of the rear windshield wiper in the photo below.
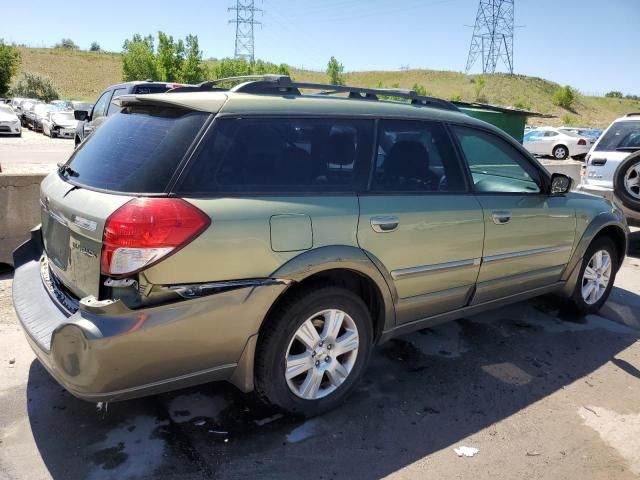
(63, 168)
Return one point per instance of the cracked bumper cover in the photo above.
(107, 352)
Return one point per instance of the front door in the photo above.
(418, 220)
(528, 234)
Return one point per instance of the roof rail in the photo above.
(275, 84)
(633, 114)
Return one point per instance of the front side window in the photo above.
(496, 166)
(281, 155)
(113, 108)
(415, 156)
(100, 109)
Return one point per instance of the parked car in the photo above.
(78, 105)
(548, 141)
(62, 104)
(40, 112)
(591, 134)
(613, 166)
(59, 124)
(26, 109)
(9, 121)
(247, 235)
(89, 120)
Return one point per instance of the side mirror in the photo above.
(80, 115)
(560, 184)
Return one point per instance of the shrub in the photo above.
(456, 97)
(95, 47)
(478, 88)
(567, 119)
(33, 85)
(67, 44)
(613, 94)
(420, 90)
(522, 105)
(564, 97)
(9, 63)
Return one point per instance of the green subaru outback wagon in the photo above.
(270, 236)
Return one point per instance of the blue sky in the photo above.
(592, 45)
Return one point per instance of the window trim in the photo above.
(360, 174)
(525, 156)
(110, 91)
(459, 161)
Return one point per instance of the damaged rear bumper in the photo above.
(107, 352)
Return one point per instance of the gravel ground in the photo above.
(540, 393)
(33, 152)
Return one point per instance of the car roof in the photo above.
(234, 103)
(629, 117)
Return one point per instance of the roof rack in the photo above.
(633, 114)
(283, 84)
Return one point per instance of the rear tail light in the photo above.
(145, 230)
(582, 141)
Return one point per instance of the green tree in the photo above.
(9, 63)
(170, 57)
(138, 59)
(33, 85)
(67, 44)
(564, 97)
(193, 70)
(613, 94)
(95, 47)
(335, 71)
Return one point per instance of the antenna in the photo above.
(245, 13)
(492, 35)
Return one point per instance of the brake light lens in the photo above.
(145, 230)
(582, 141)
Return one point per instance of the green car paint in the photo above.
(196, 315)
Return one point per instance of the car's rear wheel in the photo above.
(626, 181)
(597, 275)
(560, 152)
(313, 350)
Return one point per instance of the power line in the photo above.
(245, 20)
(492, 37)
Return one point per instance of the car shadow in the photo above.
(422, 392)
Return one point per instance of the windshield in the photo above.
(6, 109)
(622, 135)
(136, 151)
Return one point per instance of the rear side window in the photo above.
(621, 135)
(416, 156)
(145, 89)
(281, 155)
(136, 151)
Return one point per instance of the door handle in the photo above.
(501, 217)
(384, 223)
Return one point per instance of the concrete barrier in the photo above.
(19, 210)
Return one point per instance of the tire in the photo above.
(53, 134)
(560, 152)
(626, 181)
(592, 305)
(279, 340)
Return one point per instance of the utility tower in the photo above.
(245, 20)
(492, 35)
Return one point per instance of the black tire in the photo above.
(270, 381)
(632, 161)
(577, 300)
(556, 152)
(53, 134)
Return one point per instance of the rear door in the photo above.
(528, 234)
(419, 221)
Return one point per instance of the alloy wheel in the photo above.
(596, 276)
(321, 354)
(560, 153)
(632, 180)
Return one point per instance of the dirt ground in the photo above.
(542, 394)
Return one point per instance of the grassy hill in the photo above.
(83, 75)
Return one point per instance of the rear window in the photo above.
(145, 89)
(281, 155)
(136, 151)
(621, 135)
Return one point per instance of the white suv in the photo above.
(613, 166)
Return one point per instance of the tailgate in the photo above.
(73, 220)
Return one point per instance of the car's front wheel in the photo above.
(597, 274)
(313, 350)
